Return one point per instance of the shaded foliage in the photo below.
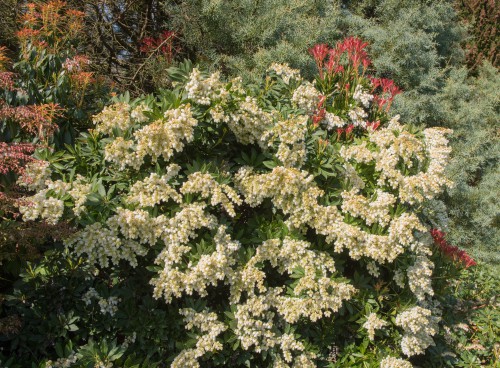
(481, 18)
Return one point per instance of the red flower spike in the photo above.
(389, 91)
(333, 63)
(319, 53)
(356, 53)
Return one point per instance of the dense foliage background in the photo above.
(62, 62)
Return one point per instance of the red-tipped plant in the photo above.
(451, 251)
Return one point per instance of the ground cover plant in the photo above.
(277, 224)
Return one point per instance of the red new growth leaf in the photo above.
(451, 251)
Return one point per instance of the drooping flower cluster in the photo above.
(221, 194)
(204, 90)
(419, 326)
(373, 211)
(291, 135)
(210, 328)
(285, 72)
(63, 362)
(249, 122)
(209, 269)
(106, 305)
(39, 206)
(34, 175)
(154, 189)
(165, 136)
(392, 362)
(389, 146)
(295, 193)
(419, 277)
(373, 323)
(306, 97)
(79, 192)
(121, 153)
(102, 245)
(116, 116)
(161, 138)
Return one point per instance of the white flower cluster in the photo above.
(89, 295)
(39, 206)
(428, 184)
(34, 175)
(285, 72)
(376, 210)
(113, 116)
(210, 328)
(392, 362)
(70, 361)
(306, 97)
(315, 294)
(295, 193)
(129, 340)
(134, 225)
(204, 90)
(101, 245)
(221, 194)
(165, 136)
(419, 326)
(109, 305)
(249, 122)
(121, 152)
(362, 97)
(154, 189)
(138, 113)
(419, 277)
(333, 121)
(391, 145)
(218, 115)
(373, 269)
(106, 305)
(175, 234)
(162, 137)
(291, 134)
(373, 323)
(211, 268)
(358, 116)
(79, 192)
(399, 278)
